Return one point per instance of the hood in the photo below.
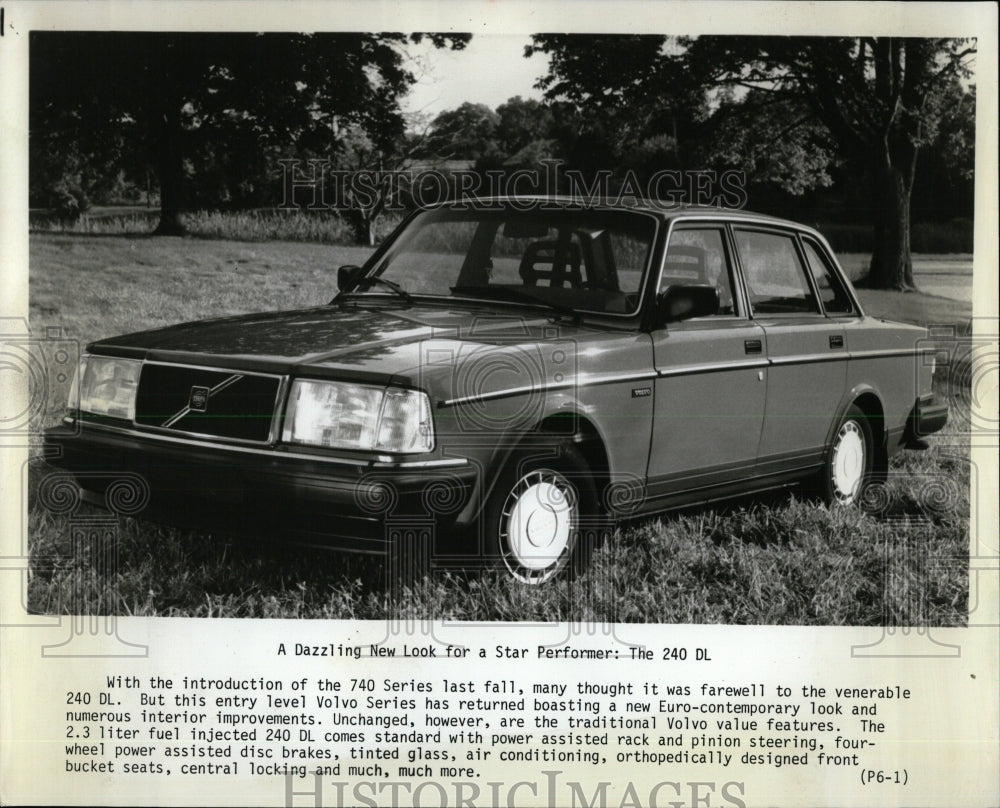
(364, 341)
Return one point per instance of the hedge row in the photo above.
(925, 237)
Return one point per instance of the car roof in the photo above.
(662, 209)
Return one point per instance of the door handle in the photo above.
(752, 346)
(836, 341)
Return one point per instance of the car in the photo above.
(504, 380)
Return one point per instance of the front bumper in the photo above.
(929, 415)
(353, 504)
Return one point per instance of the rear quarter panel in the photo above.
(888, 359)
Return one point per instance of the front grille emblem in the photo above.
(198, 401)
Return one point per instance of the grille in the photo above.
(207, 402)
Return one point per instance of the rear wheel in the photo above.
(542, 516)
(850, 460)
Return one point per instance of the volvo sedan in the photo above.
(504, 380)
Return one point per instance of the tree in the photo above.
(880, 100)
(621, 91)
(522, 122)
(161, 94)
(467, 132)
(773, 139)
(876, 100)
(375, 176)
(945, 182)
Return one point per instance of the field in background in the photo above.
(775, 560)
(261, 224)
(954, 237)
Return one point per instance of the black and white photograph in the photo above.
(506, 336)
(496, 374)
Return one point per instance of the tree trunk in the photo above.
(363, 225)
(170, 162)
(892, 266)
(167, 135)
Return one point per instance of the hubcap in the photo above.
(848, 466)
(537, 525)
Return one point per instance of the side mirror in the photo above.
(347, 276)
(685, 302)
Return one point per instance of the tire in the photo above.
(542, 518)
(850, 460)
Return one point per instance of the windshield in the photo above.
(568, 259)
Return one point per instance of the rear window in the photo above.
(831, 290)
(776, 280)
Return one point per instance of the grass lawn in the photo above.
(917, 308)
(773, 560)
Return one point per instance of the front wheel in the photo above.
(542, 515)
(850, 460)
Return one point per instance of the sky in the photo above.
(490, 70)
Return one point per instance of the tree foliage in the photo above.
(617, 92)
(523, 122)
(203, 119)
(469, 130)
(784, 108)
(879, 99)
(180, 103)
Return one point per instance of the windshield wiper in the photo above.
(395, 287)
(516, 295)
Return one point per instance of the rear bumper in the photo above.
(929, 415)
(347, 504)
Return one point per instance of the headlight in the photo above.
(105, 385)
(358, 416)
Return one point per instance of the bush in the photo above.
(67, 200)
(925, 237)
(267, 224)
(271, 224)
(847, 238)
(955, 236)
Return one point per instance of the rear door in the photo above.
(711, 374)
(806, 349)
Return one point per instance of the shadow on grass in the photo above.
(771, 558)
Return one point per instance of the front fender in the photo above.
(564, 417)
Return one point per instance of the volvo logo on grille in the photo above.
(198, 401)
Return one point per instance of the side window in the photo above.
(775, 277)
(698, 256)
(831, 290)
